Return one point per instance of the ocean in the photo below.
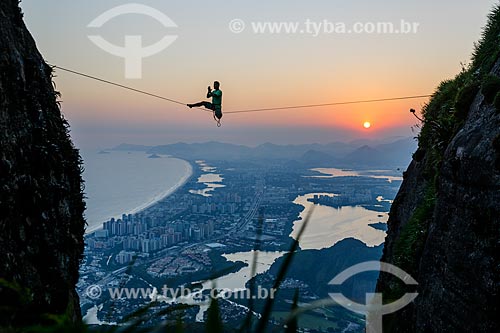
(119, 182)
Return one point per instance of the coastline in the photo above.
(348, 222)
(153, 201)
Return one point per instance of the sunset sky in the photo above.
(255, 70)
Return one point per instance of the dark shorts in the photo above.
(216, 108)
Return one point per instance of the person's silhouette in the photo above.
(216, 104)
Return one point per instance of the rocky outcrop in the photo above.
(444, 226)
(41, 200)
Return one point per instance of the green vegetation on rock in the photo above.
(443, 117)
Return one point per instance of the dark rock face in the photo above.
(41, 200)
(460, 265)
(457, 264)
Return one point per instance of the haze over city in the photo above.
(264, 166)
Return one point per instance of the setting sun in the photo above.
(367, 124)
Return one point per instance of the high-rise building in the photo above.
(196, 234)
(145, 246)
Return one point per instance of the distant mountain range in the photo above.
(361, 153)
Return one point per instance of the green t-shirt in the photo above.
(217, 98)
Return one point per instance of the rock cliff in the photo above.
(41, 200)
(444, 226)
